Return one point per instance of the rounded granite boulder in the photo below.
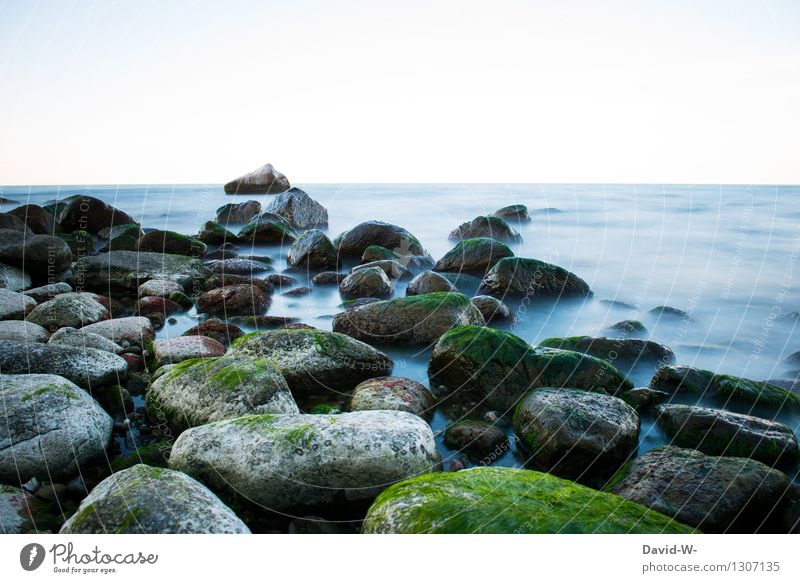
(476, 255)
(520, 277)
(393, 394)
(370, 282)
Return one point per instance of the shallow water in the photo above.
(725, 254)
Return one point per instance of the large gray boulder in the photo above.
(130, 331)
(519, 277)
(127, 270)
(313, 250)
(73, 310)
(429, 282)
(290, 461)
(267, 227)
(51, 428)
(263, 180)
(147, 500)
(302, 211)
(21, 331)
(371, 282)
(81, 339)
(13, 278)
(238, 212)
(314, 361)
(354, 242)
(14, 305)
(86, 367)
(86, 213)
(473, 256)
(42, 256)
(418, 319)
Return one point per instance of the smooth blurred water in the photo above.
(725, 254)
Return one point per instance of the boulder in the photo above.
(131, 331)
(718, 432)
(238, 212)
(299, 209)
(576, 434)
(519, 277)
(234, 300)
(48, 292)
(514, 212)
(21, 331)
(147, 500)
(643, 399)
(133, 230)
(714, 494)
(418, 319)
(428, 282)
(14, 305)
(38, 219)
(13, 278)
(42, 256)
(622, 350)
(366, 283)
(668, 313)
(328, 278)
(393, 394)
(13, 223)
(282, 462)
(86, 368)
(498, 368)
(202, 390)
(725, 389)
(392, 269)
(378, 253)
(87, 213)
(222, 332)
(313, 250)
(267, 228)
(486, 226)
(73, 310)
(476, 255)
(314, 361)
(23, 513)
(172, 243)
(627, 328)
(158, 288)
(263, 180)
(51, 428)
(492, 309)
(354, 242)
(212, 233)
(238, 266)
(175, 350)
(80, 339)
(508, 501)
(127, 270)
(479, 440)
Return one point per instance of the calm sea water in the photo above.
(725, 254)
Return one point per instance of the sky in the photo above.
(168, 92)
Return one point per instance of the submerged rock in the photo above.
(127, 270)
(643, 399)
(202, 390)
(39, 220)
(91, 214)
(146, 500)
(418, 319)
(393, 394)
(718, 432)
(73, 310)
(328, 278)
(627, 328)
(51, 427)
(313, 250)
(314, 361)
(576, 434)
(487, 226)
(354, 242)
(299, 209)
(366, 283)
(267, 228)
(283, 462)
(263, 180)
(669, 312)
(481, 441)
(507, 501)
(492, 309)
(498, 368)
(476, 255)
(519, 277)
(14, 305)
(234, 300)
(21, 331)
(429, 282)
(625, 350)
(130, 331)
(238, 212)
(714, 494)
(514, 212)
(175, 350)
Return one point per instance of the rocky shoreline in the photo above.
(291, 428)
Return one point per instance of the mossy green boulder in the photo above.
(267, 228)
(475, 255)
(171, 242)
(498, 368)
(354, 242)
(508, 501)
(485, 226)
(521, 277)
(622, 350)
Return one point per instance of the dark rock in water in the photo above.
(72, 309)
(669, 312)
(722, 388)
(238, 212)
(222, 332)
(366, 283)
(299, 209)
(393, 394)
(714, 494)
(354, 242)
(628, 328)
(263, 180)
(14, 223)
(234, 300)
(429, 282)
(514, 212)
(224, 279)
(328, 278)
(127, 270)
(212, 233)
(22, 331)
(51, 427)
(718, 432)
(418, 319)
(145, 500)
(81, 243)
(790, 384)
(576, 434)
(793, 358)
(133, 230)
(624, 350)
(264, 322)
(280, 280)
(42, 256)
(86, 368)
(492, 309)
(643, 399)
(503, 501)
(487, 226)
(267, 228)
(153, 304)
(618, 304)
(14, 305)
(298, 291)
(313, 250)
(86, 213)
(172, 243)
(48, 292)
(392, 269)
(498, 368)
(475, 255)
(378, 253)
(519, 277)
(38, 219)
(13, 278)
(238, 266)
(478, 439)
(314, 361)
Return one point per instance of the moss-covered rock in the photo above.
(313, 250)
(622, 350)
(127, 270)
(300, 210)
(171, 242)
(354, 242)
(508, 501)
(521, 277)
(212, 233)
(485, 226)
(627, 328)
(498, 368)
(429, 282)
(492, 309)
(267, 228)
(418, 319)
(475, 255)
(155, 455)
(371, 282)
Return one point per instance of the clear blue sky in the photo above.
(362, 91)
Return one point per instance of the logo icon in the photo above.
(31, 556)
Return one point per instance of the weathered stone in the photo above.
(131, 331)
(393, 394)
(158, 288)
(366, 283)
(13, 278)
(87, 213)
(267, 228)
(473, 256)
(175, 350)
(212, 233)
(234, 300)
(12, 223)
(623, 350)
(477, 439)
(392, 269)
(14, 305)
(313, 250)
(21, 331)
(299, 209)
(42, 256)
(127, 270)
(328, 278)
(514, 212)
(627, 328)
(38, 219)
(82, 339)
(171, 243)
(519, 277)
(644, 398)
(428, 282)
(263, 180)
(487, 226)
(492, 309)
(354, 242)
(48, 292)
(238, 266)
(73, 310)
(238, 212)
(223, 332)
